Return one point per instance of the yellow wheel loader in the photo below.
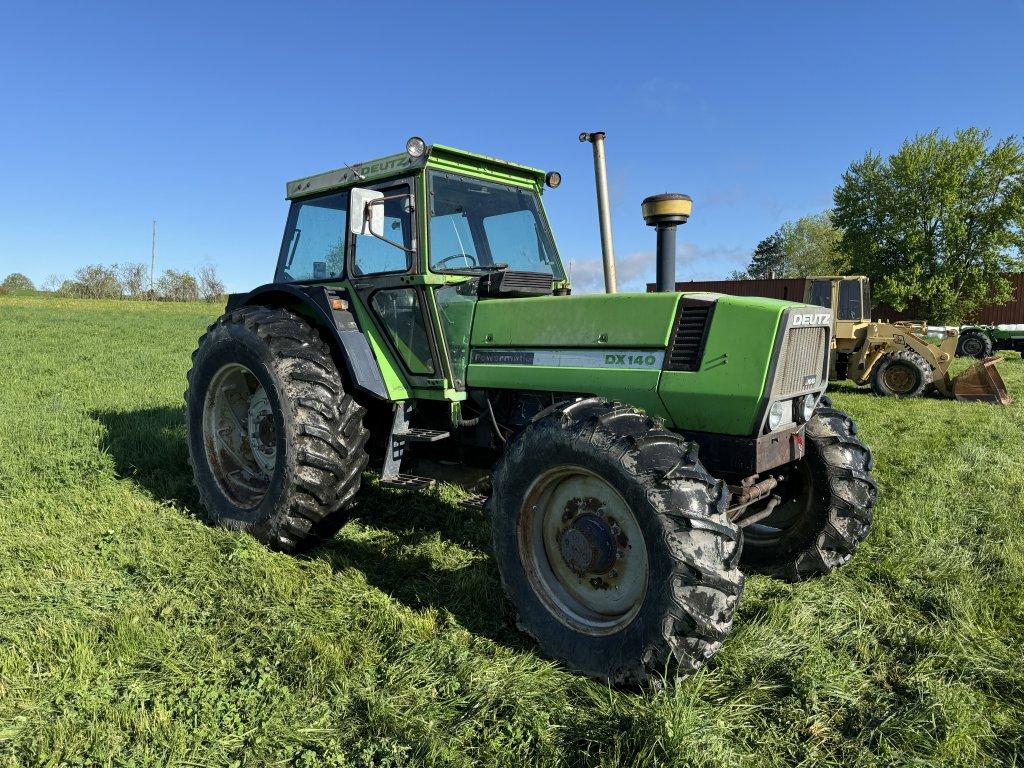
(896, 359)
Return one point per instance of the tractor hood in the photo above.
(597, 320)
(704, 362)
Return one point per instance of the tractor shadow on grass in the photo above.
(148, 448)
(427, 553)
(419, 548)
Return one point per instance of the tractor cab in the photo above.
(849, 297)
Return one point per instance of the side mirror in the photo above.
(366, 214)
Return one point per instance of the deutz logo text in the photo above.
(809, 319)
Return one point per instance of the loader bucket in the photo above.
(982, 382)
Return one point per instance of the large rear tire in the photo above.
(901, 374)
(827, 508)
(277, 447)
(975, 344)
(613, 544)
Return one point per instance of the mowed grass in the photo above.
(133, 634)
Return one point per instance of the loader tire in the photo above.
(974, 344)
(277, 447)
(613, 544)
(901, 374)
(827, 509)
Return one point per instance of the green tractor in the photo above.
(646, 448)
(981, 340)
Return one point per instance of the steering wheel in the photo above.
(466, 256)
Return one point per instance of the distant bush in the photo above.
(125, 281)
(211, 287)
(134, 280)
(93, 282)
(177, 286)
(16, 283)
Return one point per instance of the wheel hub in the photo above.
(588, 545)
(262, 434)
(583, 549)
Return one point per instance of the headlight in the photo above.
(775, 415)
(807, 407)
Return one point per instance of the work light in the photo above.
(553, 179)
(415, 147)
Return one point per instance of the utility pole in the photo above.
(152, 265)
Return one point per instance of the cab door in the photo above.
(386, 275)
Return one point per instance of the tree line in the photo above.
(125, 281)
(936, 226)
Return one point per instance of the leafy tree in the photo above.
(938, 223)
(807, 246)
(16, 283)
(177, 286)
(134, 280)
(769, 258)
(811, 246)
(211, 287)
(93, 282)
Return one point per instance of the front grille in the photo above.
(802, 356)
(687, 345)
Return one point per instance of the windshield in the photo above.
(479, 225)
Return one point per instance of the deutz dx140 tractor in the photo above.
(647, 448)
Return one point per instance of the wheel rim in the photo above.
(789, 515)
(900, 378)
(973, 347)
(240, 435)
(583, 550)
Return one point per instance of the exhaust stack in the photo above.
(603, 211)
(666, 212)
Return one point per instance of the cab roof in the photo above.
(400, 164)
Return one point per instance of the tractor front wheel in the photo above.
(826, 504)
(901, 374)
(613, 544)
(277, 447)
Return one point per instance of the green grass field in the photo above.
(133, 634)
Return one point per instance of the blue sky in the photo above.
(196, 114)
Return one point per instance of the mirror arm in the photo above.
(380, 201)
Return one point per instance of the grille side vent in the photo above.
(688, 337)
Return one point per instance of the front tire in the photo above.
(276, 445)
(901, 374)
(827, 512)
(613, 545)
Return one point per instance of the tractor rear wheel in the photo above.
(277, 447)
(826, 508)
(901, 374)
(974, 344)
(612, 543)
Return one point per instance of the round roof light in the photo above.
(415, 147)
(553, 179)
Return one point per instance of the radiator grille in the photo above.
(688, 338)
(802, 355)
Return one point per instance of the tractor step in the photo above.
(474, 502)
(415, 435)
(407, 482)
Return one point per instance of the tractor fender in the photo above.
(339, 326)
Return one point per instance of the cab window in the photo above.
(849, 300)
(314, 240)
(821, 293)
(373, 255)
